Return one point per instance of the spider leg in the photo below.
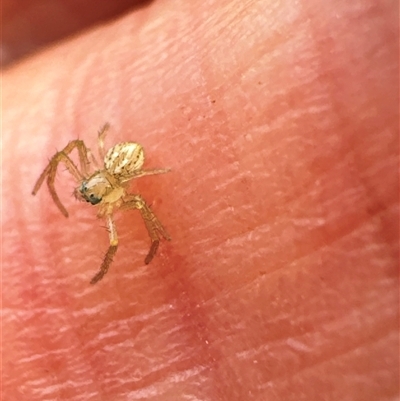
(155, 171)
(40, 180)
(50, 184)
(112, 250)
(101, 136)
(51, 169)
(142, 173)
(83, 152)
(154, 227)
(92, 157)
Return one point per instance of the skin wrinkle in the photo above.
(254, 283)
(163, 369)
(337, 357)
(376, 204)
(322, 244)
(146, 378)
(16, 313)
(311, 367)
(154, 371)
(311, 183)
(260, 278)
(328, 324)
(329, 330)
(195, 322)
(341, 109)
(315, 361)
(81, 358)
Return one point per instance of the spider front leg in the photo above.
(154, 227)
(142, 173)
(112, 250)
(51, 170)
(100, 140)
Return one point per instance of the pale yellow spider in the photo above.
(107, 188)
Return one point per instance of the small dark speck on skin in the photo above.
(212, 101)
(259, 82)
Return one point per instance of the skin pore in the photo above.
(279, 122)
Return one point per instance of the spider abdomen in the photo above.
(124, 159)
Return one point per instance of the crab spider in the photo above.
(107, 188)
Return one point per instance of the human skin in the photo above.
(279, 122)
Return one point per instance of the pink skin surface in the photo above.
(280, 124)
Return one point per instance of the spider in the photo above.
(106, 187)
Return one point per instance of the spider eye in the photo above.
(93, 200)
(89, 197)
(83, 188)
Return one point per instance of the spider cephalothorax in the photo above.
(106, 188)
(94, 189)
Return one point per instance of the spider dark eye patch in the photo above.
(93, 200)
